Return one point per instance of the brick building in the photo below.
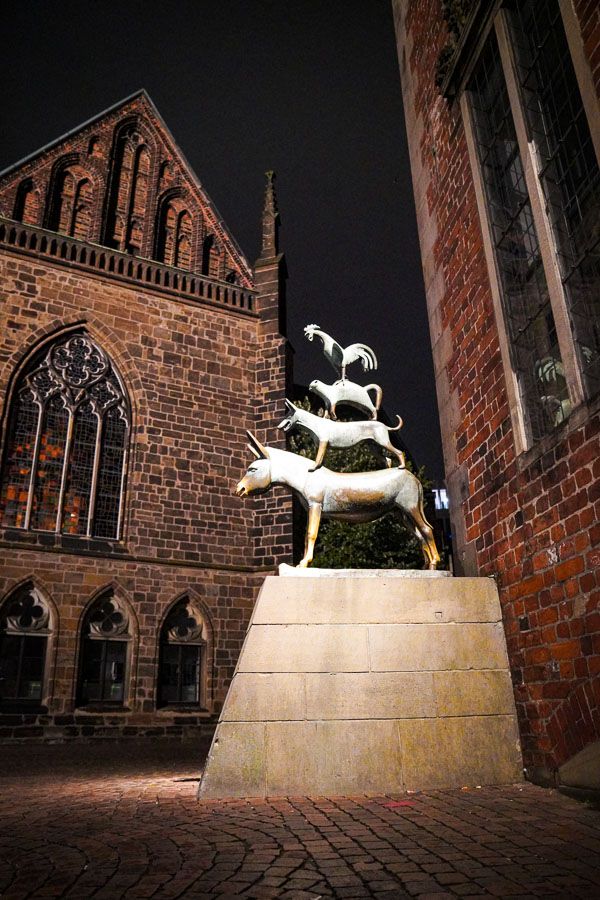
(137, 345)
(502, 113)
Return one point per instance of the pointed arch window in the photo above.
(72, 203)
(174, 244)
(64, 464)
(24, 631)
(103, 668)
(183, 657)
(27, 203)
(211, 257)
(129, 192)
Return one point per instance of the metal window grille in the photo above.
(525, 297)
(64, 465)
(567, 166)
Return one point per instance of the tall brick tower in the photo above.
(137, 348)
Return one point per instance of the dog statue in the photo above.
(341, 434)
(350, 394)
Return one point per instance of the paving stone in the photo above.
(100, 827)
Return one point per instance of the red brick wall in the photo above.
(530, 521)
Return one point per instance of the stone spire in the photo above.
(270, 220)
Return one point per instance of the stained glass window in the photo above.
(65, 456)
(182, 666)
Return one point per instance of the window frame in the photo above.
(558, 301)
(32, 364)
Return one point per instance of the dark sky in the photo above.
(309, 88)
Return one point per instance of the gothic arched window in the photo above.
(24, 630)
(182, 657)
(27, 203)
(129, 191)
(71, 205)
(64, 464)
(104, 653)
(174, 244)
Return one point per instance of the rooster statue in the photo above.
(341, 357)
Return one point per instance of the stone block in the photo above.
(454, 752)
(258, 697)
(236, 762)
(305, 648)
(472, 693)
(409, 648)
(364, 695)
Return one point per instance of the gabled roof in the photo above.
(139, 103)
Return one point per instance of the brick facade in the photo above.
(200, 352)
(529, 518)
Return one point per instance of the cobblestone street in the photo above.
(110, 821)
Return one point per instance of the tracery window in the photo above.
(104, 653)
(24, 630)
(182, 657)
(64, 464)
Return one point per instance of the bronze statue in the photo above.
(349, 496)
(341, 434)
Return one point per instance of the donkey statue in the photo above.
(349, 496)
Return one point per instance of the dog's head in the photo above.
(290, 419)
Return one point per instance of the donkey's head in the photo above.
(291, 417)
(258, 475)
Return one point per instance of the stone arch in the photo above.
(72, 198)
(128, 190)
(186, 622)
(174, 230)
(67, 424)
(33, 625)
(91, 627)
(27, 206)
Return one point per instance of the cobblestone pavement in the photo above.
(122, 821)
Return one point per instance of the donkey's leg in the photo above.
(424, 532)
(312, 530)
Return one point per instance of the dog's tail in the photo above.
(399, 425)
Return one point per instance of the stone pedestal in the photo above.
(350, 685)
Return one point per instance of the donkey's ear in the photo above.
(263, 452)
(289, 405)
(254, 451)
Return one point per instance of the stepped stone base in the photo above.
(360, 685)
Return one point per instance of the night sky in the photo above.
(309, 88)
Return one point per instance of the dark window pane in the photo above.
(48, 476)
(102, 671)
(110, 475)
(80, 470)
(179, 678)
(525, 298)
(22, 666)
(92, 666)
(568, 166)
(114, 671)
(19, 459)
